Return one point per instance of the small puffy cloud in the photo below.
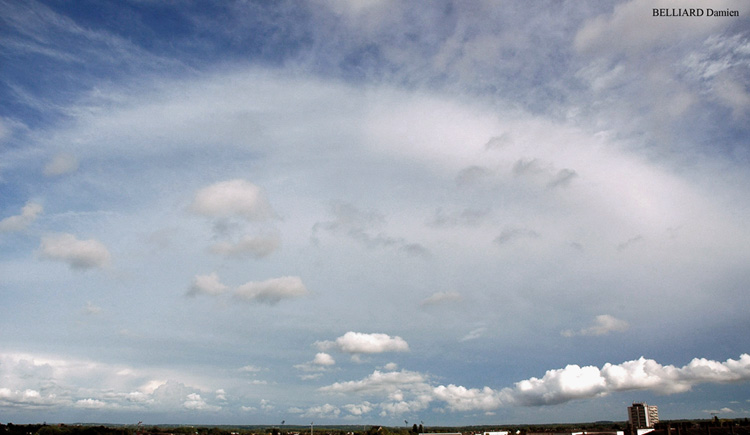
(207, 284)
(358, 409)
(248, 246)
(233, 198)
(61, 164)
(29, 213)
(603, 325)
(320, 363)
(323, 411)
(440, 298)
(323, 359)
(250, 369)
(361, 343)
(79, 254)
(272, 291)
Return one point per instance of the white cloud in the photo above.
(358, 409)
(320, 363)
(468, 399)
(574, 382)
(440, 298)
(207, 284)
(323, 359)
(362, 343)
(90, 404)
(29, 213)
(323, 411)
(603, 325)
(381, 383)
(61, 164)
(195, 402)
(233, 198)
(272, 291)
(407, 391)
(256, 247)
(79, 254)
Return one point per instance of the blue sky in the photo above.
(369, 212)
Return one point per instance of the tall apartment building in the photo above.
(642, 416)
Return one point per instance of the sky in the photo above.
(373, 212)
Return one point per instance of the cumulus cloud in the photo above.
(320, 363)
(207, 284)
(574, 382)
(29, 213)
(248, 246)
(603, 325)
(323, 411)
(381, 383)
(406, 390)
(195, 402)
(271, 291)
(79, 254)
(233, 198)
(358, 409)
(468, 399)
(61, 164)
(323, 359)
(361, 343)
(440, 298)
